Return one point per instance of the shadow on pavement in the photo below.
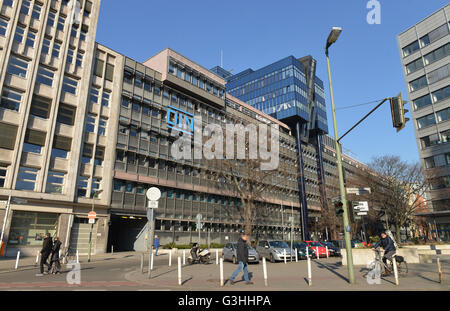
(331, 268)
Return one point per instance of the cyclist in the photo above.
(388, 247)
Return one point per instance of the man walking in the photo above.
(242, 258)
(55, 257)
(47, 247)
(156, 244)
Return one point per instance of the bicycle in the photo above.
(402, 266)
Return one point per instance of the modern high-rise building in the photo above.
(425, 54)
(83, 127)
(290, 91)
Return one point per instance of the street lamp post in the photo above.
(94, 196)
(334, 34)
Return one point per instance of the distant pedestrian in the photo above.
(55, 257)
(242, 258)
(156, 245)
(47, 247)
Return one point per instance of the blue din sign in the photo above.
(180, 120)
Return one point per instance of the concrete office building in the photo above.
(425, 54)
(84, 128)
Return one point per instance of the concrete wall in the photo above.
(361, 257)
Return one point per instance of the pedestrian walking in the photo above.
(55, 257)
(47, 247)
(156, 245)
(242, 258)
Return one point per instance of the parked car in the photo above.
(301, 250)
(334, 251)
(274, 250)
(318, 246)
(230, 253)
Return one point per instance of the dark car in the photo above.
(301, 250)
(334, 251)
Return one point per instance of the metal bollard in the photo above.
(394, 264)
(284, 253)
(326, 247)
(221, 272)
(296, 255)
(309, 272)
(184, 257)
(318, 254)
(17, 260)
(112, 249)
(151, 262)
(179, 270)
(78, 257)
(265, 271)
(170, 258)
(142, 263)
(217, 256)
(37, 258)
(440, 270)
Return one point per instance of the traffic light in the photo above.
(398, 112)
(339, 208)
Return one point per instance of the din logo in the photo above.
(180, 120)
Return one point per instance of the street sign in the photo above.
(358, 191)
(152, 204)
(153, 194)
(362, 214)
(92, 215)
(361, 206)
(92, 221)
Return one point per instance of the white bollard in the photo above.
(179, 270)
(78, 258)
(296, 255)
(265, 271)
(307, 252)
(217, 256)
(441, 280)
(221, 272)
(318, 254)
(112, 249)
(184, 257)
(142, 263)
(326, 247)
(151, 262)
(394, 264)
(170, 258)
(37, 258)
(284, 254)
(17, 260)
(309, 272)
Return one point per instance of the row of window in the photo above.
(433, 77)
(440, 183)
(196, 79)
(435, 97)
(438, 160)
(139, 79)
(82, 186)
(91, 124)
(94, 96)
(426, 40)
(26, 180)
(435, 139)
(428, 59)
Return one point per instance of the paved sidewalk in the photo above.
(327, 275)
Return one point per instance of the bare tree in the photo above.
(397, 188)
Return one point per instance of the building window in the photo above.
(437, 54)
(102, 126)
(61, 147)
(40, 107)
(36, 11)
(99, 155)
(45, 76)
(441, 94)
(87, 153)
(95, 186)
(51, 19)
(3, 171)
(434, 35)
(95, 92)
(418, 84)
(55, 182)
(70, 55)
(8, 133)
(79, 61)
(11, 99)
(422, 102)
(26, 180)
(18, 66)
(3, 26)
(83, 33)
(34, 141)
(82, 186)
(70, 85)
(46, 46)
(30, 228)
(443, 115)
(25, 8)
(56, 49)
(106, 98)
(31, 38)
(61, 22)
(66, 114)
(119, 185)
(90, 123)
(99, 64)
(426, 121)
(411, 48)
(439, 74)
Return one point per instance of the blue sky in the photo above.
(253, 33)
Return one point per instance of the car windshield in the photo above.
(315, 244)
(329, 244)
(278, 244)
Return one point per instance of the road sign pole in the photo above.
(152, 232)
(153, 195)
